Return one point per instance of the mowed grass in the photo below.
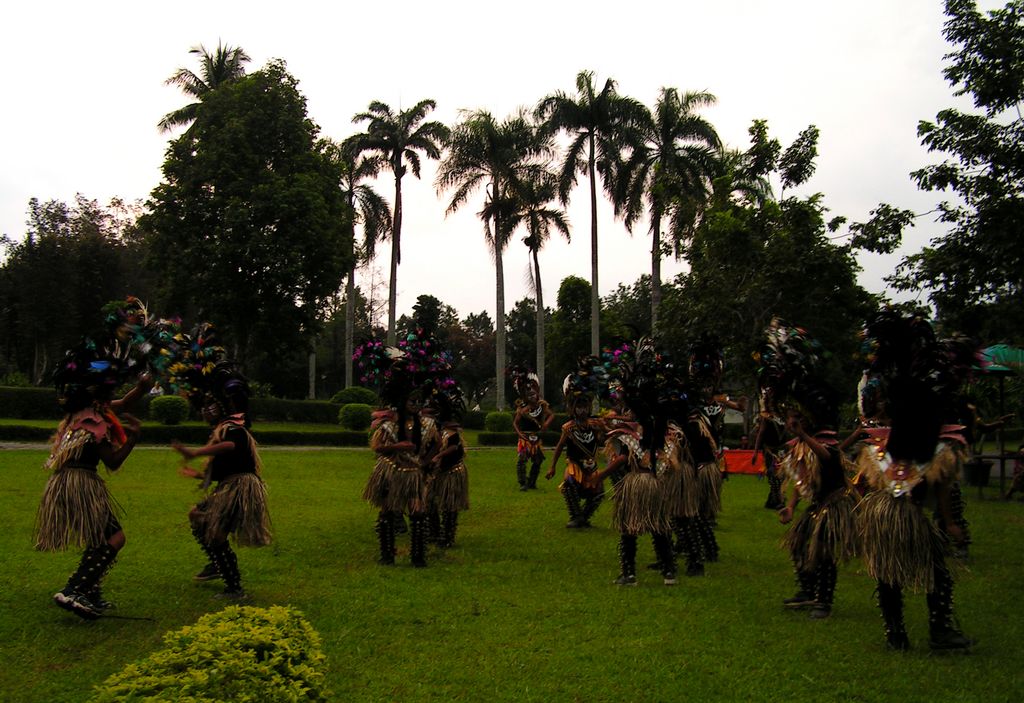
(521, 609)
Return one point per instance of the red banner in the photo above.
(737, 461)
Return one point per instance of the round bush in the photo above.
(498, 422)
(354, 394)
(354, 416)
(168, 409)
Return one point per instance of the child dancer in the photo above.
(76, 507)
(448, 484)
(237, 505)
(533, 415)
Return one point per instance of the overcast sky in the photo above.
(85, 89)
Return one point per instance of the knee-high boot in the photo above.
(666, 557)
(708, 543)
(691, 545)
(804, 596)
(627, 561)
(418, 539)
(590, 506)
(531, 482)
(434, 526)
(209, 572)
(227, 563)
(385, 529)
(571, 493)
(74, 597)
(449, 527)
(824, 588)
(943, 633)
(521, 471)
(774, 500)
(890, 602)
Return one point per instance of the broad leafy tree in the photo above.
(225, 64)
(248, 228)
(668, 176)
(974, 272)
(399, 139)
(498, 158)
(599, 123)
(570, 330)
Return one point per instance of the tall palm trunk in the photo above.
(499, 314)
(396, 255)
(655, 272)
(595, 298)
(540, 321)
(350, 321)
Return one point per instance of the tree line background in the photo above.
(260, 222)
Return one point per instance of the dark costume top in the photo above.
(239, 460)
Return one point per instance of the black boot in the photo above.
(804, 597)
(385, 529)
(227, 563)
(571, 493)
(824, 589)
(667, 559)
(590, 507)
(890, 601)
(531, 482)
(627, 561)
(399, 522)
(418, 538)
(774, 500)
(707, 541)
(694, 561)
(943, 634)
(434, 526)
(209, 572)
(449, 526)
(521, 472)
(95, 562)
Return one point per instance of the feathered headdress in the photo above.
(917, 376)
(651, 386)
(89, 371)
(706, 363)
(588, 381)
(198, 354)
(404, 369)
(523, 379)
(789, 378)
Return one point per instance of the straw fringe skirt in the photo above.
(75, 510)
(900, 544)
(237, 506)
(709, 489)
(449, 490)
(825, 533)
(640, 505)
(394, 488)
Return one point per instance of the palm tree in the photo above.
(224, 65)
(600, 124)
(496, 156)
(533, 210)
(398, 139)
(366, 208)
(669, 174)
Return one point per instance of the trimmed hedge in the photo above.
(29, 403)
(199, 434)
(510, 439)
(474, 419)
(168, 409)
(355, 416)
(498, 422)
(281, 410)
(355, 394)
(238, 654)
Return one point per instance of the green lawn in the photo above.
(521, 610)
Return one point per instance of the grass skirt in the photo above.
(75, 510)
(900, 544)
(449, 490)
(709, 489)
(237, 506)
(825, 533)
(639, 505)
(680, 490)
(394, 488)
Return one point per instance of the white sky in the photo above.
(84, 91)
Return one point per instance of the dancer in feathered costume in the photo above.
(825, 533)
(915, 465)
(640, 504)
(581, 440)
(448, 482)
(398, 483)
(76, 508)
(703, 430)
(533, 416)
(236, 500)
(769, 441)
